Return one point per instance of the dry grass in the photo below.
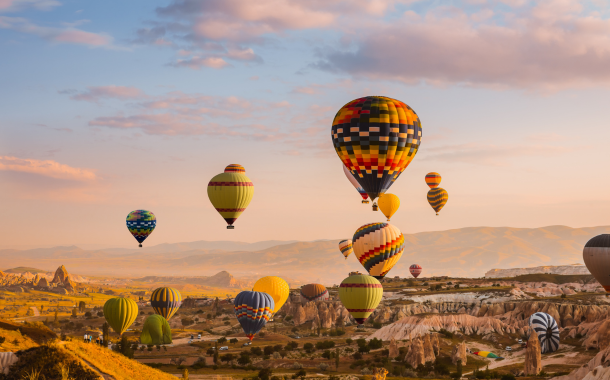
(114, 364)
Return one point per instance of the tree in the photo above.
(209, 316)
(227, 358)
(268, 350)
(375, 343)
(337, 359)
(458, 368)
(308, 347)
(283, 354)
(216, 353)
(326, 354)
(349, 341)
(222, 340)
(265, 373)
(106, 332)
(319, 330)
(41, 309)
(81, 306)
(301, 373)
(233, 341)
(244, 358)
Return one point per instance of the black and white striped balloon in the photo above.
(547, 330)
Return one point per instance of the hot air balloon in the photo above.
(547, 330)
(433, 179)
(596, 255)
(276, 288)
(313, 292)
(378, 247)
(415, 270)
(230, 193)
(360, 294)
(141, 224)
(389, 204)
(253, 310)
(120, 313)
(352, 180)
(437, 198)
(156, 331)
(345, 246)
(166, 301)
(376, 138)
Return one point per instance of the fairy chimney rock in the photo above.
(393, 349)
(60, 276)
(459, 353)
(533, 359)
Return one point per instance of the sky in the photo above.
(107, 107)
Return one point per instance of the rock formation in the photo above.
(428, 349)
(43, 283)
(459, 353)
(533, 359)
(415, 353)
(393, 349)
(588, 371)
(562, 269)
(435, 344)
(61, 274)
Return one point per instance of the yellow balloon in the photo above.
(276, 287)
(389, 204)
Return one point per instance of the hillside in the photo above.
(24, 270)
(574, 269)
(466, 252)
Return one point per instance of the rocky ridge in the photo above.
(560, 269)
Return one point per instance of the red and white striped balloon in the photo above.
(415, 270)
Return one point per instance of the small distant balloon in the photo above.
(346, 248)
(437, 198)
(415, 270)
(141, 223)
(433, 179)
(388, 204)
(230, 193)
(313, 292)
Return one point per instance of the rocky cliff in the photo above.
(560, 269)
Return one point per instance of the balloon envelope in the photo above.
(360, 294)
(433, 179)
(388, 204)
(120, 313)
(253, 310)
(276, 287)
(313, 292)
(415, 270)
(378, 247)
(346, 248)
(596, 255)
(231, 192)
(355, 183)
(547, 330)
(437, 198)
(166, 301)
(141, 224)
(487, 354)
(156, 331)
(376, 138)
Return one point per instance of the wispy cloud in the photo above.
(197, 63)
(68, 35)
(95, 94)
(47, 168)
(20, 5)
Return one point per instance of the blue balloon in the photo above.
(253, 310)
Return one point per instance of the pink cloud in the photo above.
(47, 168)
(552, 45)
(56, 35)
(94, 94)
(18, 5)
(197, 63)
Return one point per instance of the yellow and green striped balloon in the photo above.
(360, 294)
(230, 193)
(437, 198)
(120, 313)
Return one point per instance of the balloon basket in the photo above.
(375, 207)
(365, 202)
(140, 245)
(230, 227)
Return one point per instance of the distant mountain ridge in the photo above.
(560, 269)
(465, 252)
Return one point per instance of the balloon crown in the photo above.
(235, 168)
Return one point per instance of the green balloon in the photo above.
(156, 330)
(120, 313)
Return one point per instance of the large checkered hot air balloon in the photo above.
(141, 224)
(437, 197)
(378, 247)
(253, 310)
(360, 294)
(547, 330)
(230, 193)
(359, 189)
(376, 138)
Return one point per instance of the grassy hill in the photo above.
(553, 278)
(25, 269)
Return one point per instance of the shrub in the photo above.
(375, 343)
(508, 376)
(377, 325)
(323, 366)
(297, 365)
(300, 373)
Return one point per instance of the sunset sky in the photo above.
(111, 106)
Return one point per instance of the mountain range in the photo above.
(465, 252)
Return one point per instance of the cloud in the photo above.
(47, 168)
(20, 5)
(95, 94)
(552, 45)
(197, 63)
(492, 154)
(56, 35)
